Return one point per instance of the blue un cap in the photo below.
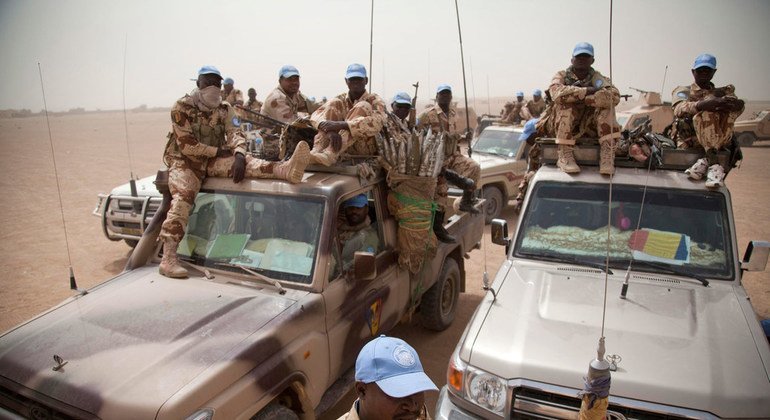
(358, 201)
(529, 129)
(583, 48)
(402, 98)
(537, 92)
(519, 93)
(288, 71)
(443, 87)
(394, 366)
(355, 70)
(209, 70)
(705, 60)
(228, 81)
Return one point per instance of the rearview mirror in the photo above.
(364, 266)
(500, 234)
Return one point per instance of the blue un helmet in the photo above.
(529, 129)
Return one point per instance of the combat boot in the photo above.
(169, 264)
(293, 169)
(467, 203)
(566, 161)
(607, 157)
(438, 228)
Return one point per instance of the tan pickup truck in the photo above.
(754, 129)
(267, 326)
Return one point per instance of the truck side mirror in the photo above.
(755, 258)
(364, 266)
(500, 234)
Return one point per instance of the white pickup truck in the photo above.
(684, 340)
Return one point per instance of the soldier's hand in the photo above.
(239, 168)
(332, 126)
(710, 105)
(223, 153)
(591, 90)
(335, 140)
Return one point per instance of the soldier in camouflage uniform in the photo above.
(529, 135)
(355, 230)
(514, 116)
(397, 124)
(205, 140)
(441, 117)
(349, 122)
(232, 96)
(583, 104)
(253, 104)
(534, 107)
(506, 109)
(285, 103)
(705, 116)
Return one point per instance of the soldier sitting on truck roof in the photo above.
(205, 140)
(514, 114)
(583, 104)
(390, 382)
(285, 103)
(705, 116)
(356, 232)
(533, 107)
(348, 122)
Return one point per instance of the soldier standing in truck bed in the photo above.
(583, 104)
(705, 116)
(205, 140)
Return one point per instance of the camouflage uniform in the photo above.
(255, 106)
(396, 128)
(190, 155)
(282, 107)
(532, 109)
(711, 130)
(514, 115)
(365, 117)
(230, 98)
(353, 413)
(438, 121)
(572, 114)
(362, 237)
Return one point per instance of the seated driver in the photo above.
(356, 232)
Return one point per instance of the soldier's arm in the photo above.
(234, 137)
(564, 94)
(181, 124)
(279, 108)
(371, 125)
(319, 115)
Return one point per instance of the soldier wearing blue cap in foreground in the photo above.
(465, 172)
(397, 125)
(355, 230)
(529, 135)
(705, 116)
(206, 140)
(348, 122)
(390, 382)
(285, 103)
(534, 107)
(583, 105)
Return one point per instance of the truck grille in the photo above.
(28, 408)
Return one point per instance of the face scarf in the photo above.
(208, 98)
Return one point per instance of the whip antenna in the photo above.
(662, 86)
(371, 46)
(131, 178)
(73, 283)
(465, 86)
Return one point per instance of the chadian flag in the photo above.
(658, 245)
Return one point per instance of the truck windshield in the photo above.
(498, 142)
(685, 229)
(276, 236)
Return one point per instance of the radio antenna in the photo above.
(371, 46)
(73, 283)
(131, 178)
(665, 72)
(465, 85)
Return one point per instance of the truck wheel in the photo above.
(275, 411)
(131, 242)
(746, 139)
(439, 303)
(494, 205)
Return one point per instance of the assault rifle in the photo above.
(299, 127)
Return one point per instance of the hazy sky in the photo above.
(509, 45)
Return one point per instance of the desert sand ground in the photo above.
(91, 157)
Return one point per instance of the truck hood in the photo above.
(136, 340)
(487, 159)
(144, 187)
(681, 344)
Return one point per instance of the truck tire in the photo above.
(494, 204)
(746, 138)
(275, 411)
(439, 303)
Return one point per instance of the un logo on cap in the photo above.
(403, 357)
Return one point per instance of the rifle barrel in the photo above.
(263, 116)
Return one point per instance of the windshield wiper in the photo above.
(570, 259)
(671, 270)
(260, 277)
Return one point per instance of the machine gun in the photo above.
(413, 111)
(290, 134)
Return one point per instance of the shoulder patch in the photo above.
(236, 122)
(682, 95)
(178, 117)
(598, 83)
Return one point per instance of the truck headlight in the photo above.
(203, 414)
(486, 390)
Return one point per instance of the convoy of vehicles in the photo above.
(267, 326)
(684, 340)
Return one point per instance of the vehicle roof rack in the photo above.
(587, 154)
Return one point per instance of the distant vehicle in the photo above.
(124, 216)
(757, 128)
(650, 106)
(503, 162)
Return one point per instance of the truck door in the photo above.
(359, 310)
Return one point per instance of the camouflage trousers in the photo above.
(533, 164)
(350, 144)
(184, 182)
(571, 121)
(714, 129)
(464, 166)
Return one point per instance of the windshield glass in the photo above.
(498, 142)
(687, 230)
(276, 236)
